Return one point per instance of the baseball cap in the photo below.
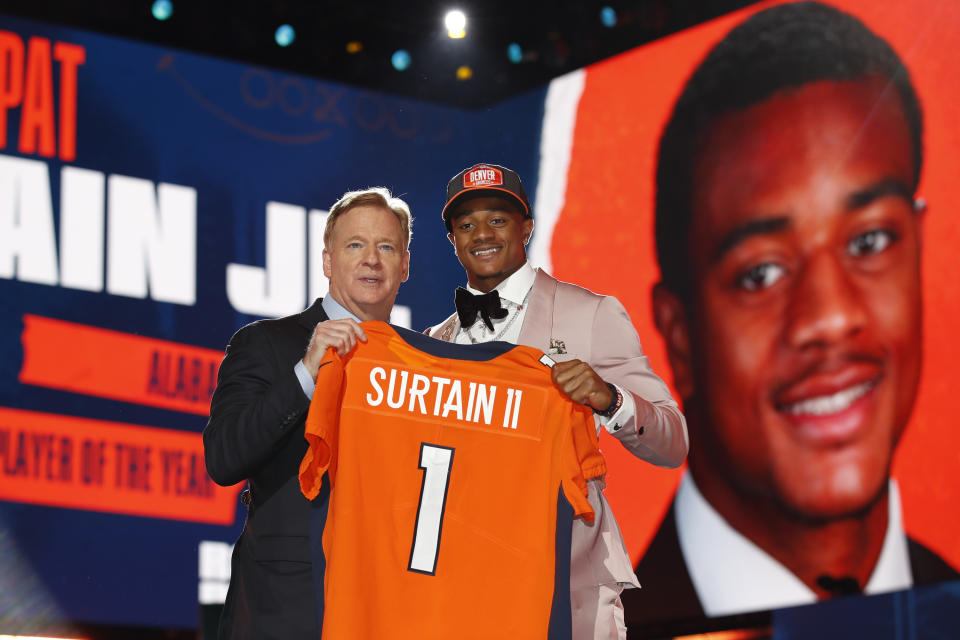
(480, 180)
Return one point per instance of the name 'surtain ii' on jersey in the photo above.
(441, 397)
(449, 466)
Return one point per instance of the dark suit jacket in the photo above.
(255, 433)
(667, 592)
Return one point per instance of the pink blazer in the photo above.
(570, 322)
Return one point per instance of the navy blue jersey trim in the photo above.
(317, 522)
(475, 352)
(561, 618)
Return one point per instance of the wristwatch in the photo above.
(615, 403)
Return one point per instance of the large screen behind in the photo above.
(878, 321)
(152, 202)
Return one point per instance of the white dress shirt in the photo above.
(733, 575)
(513, 293)
(334, 311)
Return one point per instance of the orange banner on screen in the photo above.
(111, 364)
(78, 463)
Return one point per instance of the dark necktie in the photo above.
(842, 586)
(487, 305)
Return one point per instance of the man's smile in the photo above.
(828, 404)
(832, 404)
(485, 251)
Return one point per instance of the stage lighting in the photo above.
(354, 46)
(285, 35)
(608, 17)
(456, 23)
(400, 59)
(10, 637)
(514, 53)
(464, 73)
(162, 9)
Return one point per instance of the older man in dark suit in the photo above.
(256, 425)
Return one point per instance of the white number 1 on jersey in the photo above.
(435, 462)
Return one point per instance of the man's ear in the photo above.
(452, 241)
(406, 266)
(527, 229)
(670, 316)
(326, 264)
(920, 214)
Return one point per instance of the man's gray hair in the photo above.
(373, 196)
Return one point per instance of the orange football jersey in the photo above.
(455, 474)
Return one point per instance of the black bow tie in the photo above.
(488, 304)
(842, 586)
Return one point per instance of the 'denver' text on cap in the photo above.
(482, 176)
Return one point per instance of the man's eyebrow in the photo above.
(880, 189)
(376, 240)
(745, 230)
(466, 212)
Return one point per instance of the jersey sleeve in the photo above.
(584, 461)
(322, 426)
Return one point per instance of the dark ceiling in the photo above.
(556, 37)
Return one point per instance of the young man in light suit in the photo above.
(599, 363)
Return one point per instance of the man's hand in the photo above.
(578, 381)
(340, 334)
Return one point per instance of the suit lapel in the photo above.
(926, 566)
(538, 321)
(313, 314)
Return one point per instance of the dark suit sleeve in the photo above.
(256, 406)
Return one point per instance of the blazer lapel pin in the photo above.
(447, 330)
(557, 346)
